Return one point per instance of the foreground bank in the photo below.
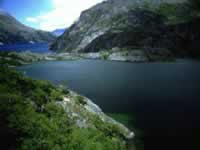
(38, 115)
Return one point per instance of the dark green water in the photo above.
(163, 97)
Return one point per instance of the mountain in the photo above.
(12, 31)
(58, 32)
(132, 24)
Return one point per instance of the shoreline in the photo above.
(24, 58)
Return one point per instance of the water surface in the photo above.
(163, 97)
(21, 47)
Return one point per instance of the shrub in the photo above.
(176, 13)
(56, 95)
(39, 97)
(167, 9)
(92, 139)
(81, 100)
(39, 131)
(109, 129)
(147, 5)
(104, 55)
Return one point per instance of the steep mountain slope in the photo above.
(12, 31)
(149, 32)
(166, 24)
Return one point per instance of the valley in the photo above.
(123, 75)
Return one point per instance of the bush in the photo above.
(176, 13)
(109, 129)
(39, 131)
(81, 100)
(167, 9)
(39, 97)
(92, 139)
(104, 55)
(56, 95)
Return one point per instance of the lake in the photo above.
(164, 98)
(21, 47)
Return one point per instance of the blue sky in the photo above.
(46, 14)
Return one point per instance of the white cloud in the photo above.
(65, 12)
(31, 19)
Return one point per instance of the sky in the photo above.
(47, 14)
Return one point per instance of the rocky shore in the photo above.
(87, 110)
(22, 58)
(135, 55)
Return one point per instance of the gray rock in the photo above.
(91, 55)
(131, 56)
(82, 114)
(117, 57)
(100, 19)
(129, 23)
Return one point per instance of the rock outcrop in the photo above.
(85, 113)
(12, 31)
(128, 55)
(135, 25)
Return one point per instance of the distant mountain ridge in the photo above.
(12, 31)
(58, 32)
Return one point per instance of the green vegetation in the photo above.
(30, 113)
(81, 100)
(21, 58)
(147, 5)
(178, 13)
(9, 59)
(174, 13)
(110, 130)
(129, 120)
(104, 55)
(168, 10)
(123, 118)
(9, 62)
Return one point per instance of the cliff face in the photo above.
(130, 23)
(146, 30)
(12, 31)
